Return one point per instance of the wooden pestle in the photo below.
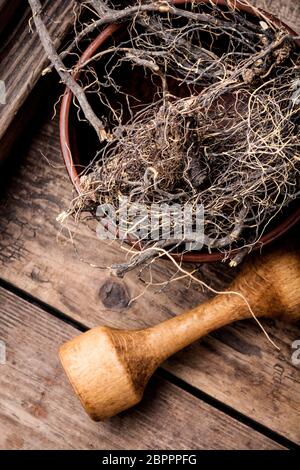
(109, 368)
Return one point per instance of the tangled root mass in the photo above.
(220, 129)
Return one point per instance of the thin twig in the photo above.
(141, 258)
(65, 76)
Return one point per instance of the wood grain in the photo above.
(38, 410)
(288, 11)
(22, 60)
(236, 365)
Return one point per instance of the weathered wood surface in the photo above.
(22, 59)
(39, 411)
(236, 365)
(286, 10)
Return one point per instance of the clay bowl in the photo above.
(73, 153)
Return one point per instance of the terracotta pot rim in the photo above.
(69, 159)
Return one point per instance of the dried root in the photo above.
(218, 128)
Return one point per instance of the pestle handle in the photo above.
(269, 285)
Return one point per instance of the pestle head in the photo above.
(98, 370)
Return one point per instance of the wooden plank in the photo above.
(37, 410)
(236, 365)
(288, 11)
(22, 60)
